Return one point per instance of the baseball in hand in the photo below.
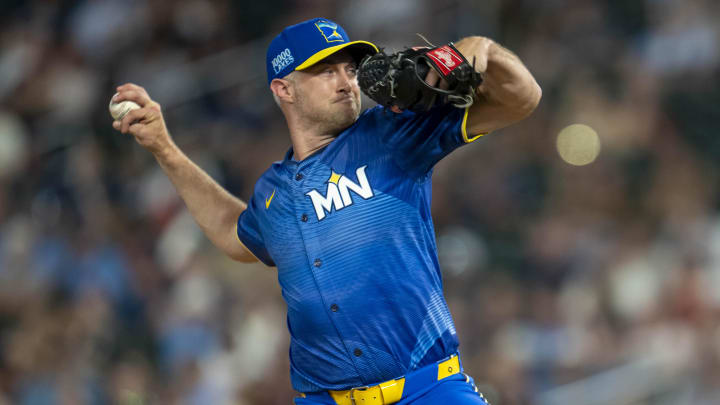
(118, 110)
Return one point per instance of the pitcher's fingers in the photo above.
(135, 129)
(131, 86)
(432, 78)
(117, 125)
(132, 117)
(443, 84)
(137, 96)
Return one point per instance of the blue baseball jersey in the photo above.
(350, 232)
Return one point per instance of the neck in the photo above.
(307, 139)
(306, 145)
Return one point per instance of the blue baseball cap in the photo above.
(302, 45)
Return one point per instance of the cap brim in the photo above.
(358, 49)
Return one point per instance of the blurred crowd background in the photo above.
(594, 284)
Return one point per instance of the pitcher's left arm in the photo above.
(508, 92)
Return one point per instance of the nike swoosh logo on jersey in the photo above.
(268, 200)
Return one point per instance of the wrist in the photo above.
(476, 50)
(167, 155)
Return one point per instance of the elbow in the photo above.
(531, 100)
(537, 95)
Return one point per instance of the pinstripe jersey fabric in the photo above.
(350, 232)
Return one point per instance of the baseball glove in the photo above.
(399, 79)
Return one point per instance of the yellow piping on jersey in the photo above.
(464, 129)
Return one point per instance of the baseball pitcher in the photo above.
(345, 215)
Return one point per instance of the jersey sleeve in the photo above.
(249, 234)
(419, 140)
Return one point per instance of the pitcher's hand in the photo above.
(145, 124)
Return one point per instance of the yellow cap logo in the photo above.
(329, 31)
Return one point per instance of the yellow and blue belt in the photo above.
(392, 391)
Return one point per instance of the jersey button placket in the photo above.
(303, 217)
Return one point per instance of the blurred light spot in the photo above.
(461, 250)
(635, 289)
(578, 144)
(196, 297)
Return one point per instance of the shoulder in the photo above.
(379, 114)
(443, 118)
(381, 121)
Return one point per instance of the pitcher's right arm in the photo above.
(214, 209)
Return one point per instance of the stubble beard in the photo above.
(332, 119)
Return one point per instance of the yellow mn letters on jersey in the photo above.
(338, 192)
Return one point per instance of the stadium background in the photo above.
(595, 284)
